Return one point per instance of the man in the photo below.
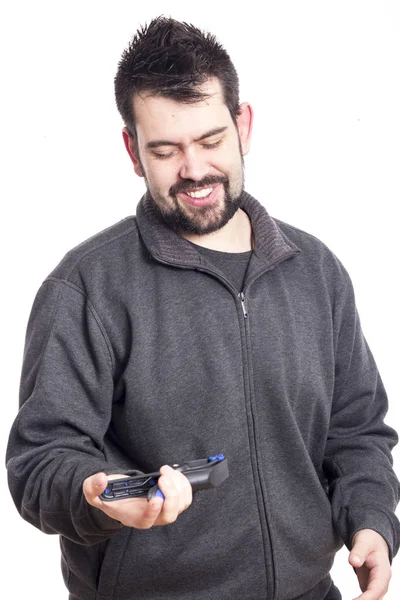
(201, 326)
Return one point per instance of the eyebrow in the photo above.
(215, 131)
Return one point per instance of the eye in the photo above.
(212, 145)
(162, 156)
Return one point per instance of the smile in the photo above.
(200, 197)
(200, 193)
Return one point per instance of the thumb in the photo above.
(93, 486)
(99, 481)
(358, 554)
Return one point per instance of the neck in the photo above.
(235, 236)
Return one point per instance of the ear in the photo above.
(244, 122)
(130, 146)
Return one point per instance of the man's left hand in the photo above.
(370, 558)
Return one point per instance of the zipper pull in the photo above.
(245, 313)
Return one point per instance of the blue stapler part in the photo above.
(217, 457)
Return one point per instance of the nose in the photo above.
(193, 166)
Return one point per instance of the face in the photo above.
(191, 156)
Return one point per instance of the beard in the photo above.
(199, 220)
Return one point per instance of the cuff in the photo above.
(380, 519)
(103, 522)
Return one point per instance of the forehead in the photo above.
(157, 117)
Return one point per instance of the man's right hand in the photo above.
(139, 512)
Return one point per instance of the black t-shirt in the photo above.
(232, 264)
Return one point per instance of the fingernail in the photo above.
(356, 559)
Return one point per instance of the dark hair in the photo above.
(172, 59)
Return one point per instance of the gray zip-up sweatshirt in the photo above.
(140, 353)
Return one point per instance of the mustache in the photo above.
(189, 184)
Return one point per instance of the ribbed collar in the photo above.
(166, 245)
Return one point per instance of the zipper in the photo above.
(271, 584)
(259, 484)
(266, 530)
(243, 303)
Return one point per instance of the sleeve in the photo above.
(57, 439)
(363, 488)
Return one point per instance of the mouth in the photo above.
(200, 196)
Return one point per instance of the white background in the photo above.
(323, 78)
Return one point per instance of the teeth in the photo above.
(200, 193)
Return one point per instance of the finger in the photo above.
(378, 584)
(167, 470)
(359, 554)
(187, 496)
(134, 512)
(150, 514)
(170, 509)
(369, 596)
(93, 486)
(182, 484)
